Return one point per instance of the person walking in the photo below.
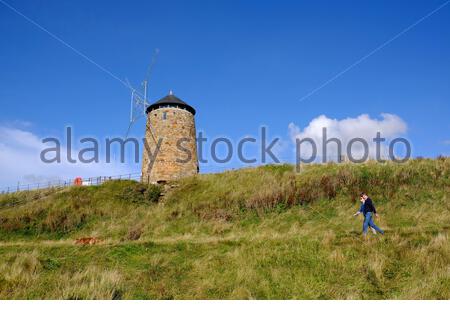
(368, 210)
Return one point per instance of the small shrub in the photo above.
(133, 193)
(50, 264)
(328, 186)
(11, 224)
(135, 232)
(216, 214)
(10, 200)
(141, 193)
(153, 193)
(64, 221)
(279, 196)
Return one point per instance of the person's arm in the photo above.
(361, 209)
(374, 210)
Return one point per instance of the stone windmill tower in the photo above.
(170, 123)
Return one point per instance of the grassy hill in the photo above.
(259, 233)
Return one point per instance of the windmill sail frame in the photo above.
(138, 101)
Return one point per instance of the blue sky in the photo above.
(241, 64)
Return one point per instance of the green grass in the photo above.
(259, 233)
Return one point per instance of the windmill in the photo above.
(139, 101)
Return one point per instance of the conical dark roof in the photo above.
(172, 101)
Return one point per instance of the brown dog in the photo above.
(85, 241)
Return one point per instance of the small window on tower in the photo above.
(164, 115)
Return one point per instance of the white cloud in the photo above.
(390, 126)
(20, 161)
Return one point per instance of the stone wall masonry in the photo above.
(170, 124)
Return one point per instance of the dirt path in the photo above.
(349, 236)
(165, 240)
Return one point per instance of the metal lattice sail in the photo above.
(139, 101)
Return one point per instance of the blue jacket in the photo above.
(367, 206)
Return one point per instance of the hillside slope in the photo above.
(262, 233)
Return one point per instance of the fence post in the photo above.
(18, 187)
